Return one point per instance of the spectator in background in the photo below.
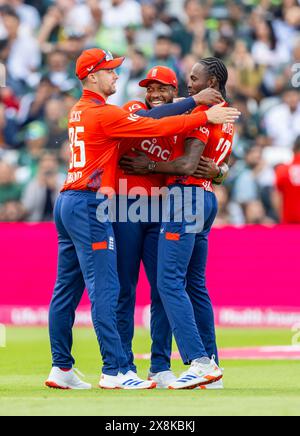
(8, 129)
(248, 73)
(57, 123)
(35, 140)
(282, 123)
(120, 13)
(269, 52)
(163, 54)
(28, 15)
(228, 212)
(64, 24)
(145, 36)
(78, 17)
(12, 212)
(40, 194)
(10, 190)
(137, 73)
(288, 186)
(24, 57)
(222, 48)
(255, 213)
(253, 184)
(58, 71)
(287, 22)
(33, 104)
(284, 73)
(191, 28)
(248, 126)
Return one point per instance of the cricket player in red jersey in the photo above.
(138, 241)
(183, 248)
(87, 255)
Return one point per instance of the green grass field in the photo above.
(252, 388)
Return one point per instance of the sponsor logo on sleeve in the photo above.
(135, 107)
(134, 118)
(204, 130)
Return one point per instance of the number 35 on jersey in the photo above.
(77, 145)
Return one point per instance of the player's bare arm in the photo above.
(208, 97)
(185, 165)
(208, 169)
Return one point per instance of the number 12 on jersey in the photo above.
(77, 148)
(224, 146)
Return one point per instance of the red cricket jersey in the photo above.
(96, 130)
(157, 149)
(288, 183)
(218, 140)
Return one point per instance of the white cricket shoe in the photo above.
(163, 379)
(59, 379)
(201, 373)
(129, 381)
(217, 386)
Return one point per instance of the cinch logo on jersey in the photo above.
(134, 117)
(155, 149)
(135, 107)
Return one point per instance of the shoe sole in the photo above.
(153, 386)
(52, 385)
(198, 385)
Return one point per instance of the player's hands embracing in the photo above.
(138, 165)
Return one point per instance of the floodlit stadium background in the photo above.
(253, 270)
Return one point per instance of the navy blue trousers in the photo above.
(87, 258)
(182, 263)
(138, 242)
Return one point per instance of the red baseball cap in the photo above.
(160, 74)
(93, 60)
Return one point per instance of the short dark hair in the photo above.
(164, 38)
(10, 11)
(216, 67)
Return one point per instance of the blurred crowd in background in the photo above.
(258, 40)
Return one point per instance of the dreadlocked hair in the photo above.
(215, 67)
